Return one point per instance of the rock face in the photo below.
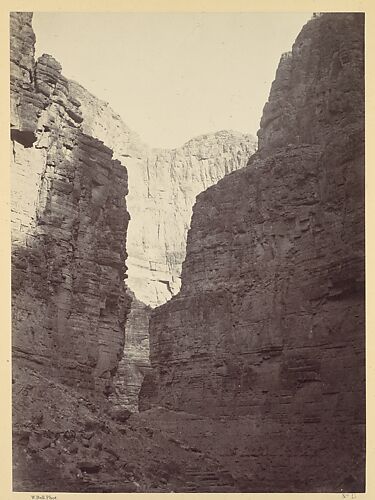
(69, 222)
(163, 185)
(268, 328)
(163, 190)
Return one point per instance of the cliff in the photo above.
(264, 345)
(69, 301)
(163, 193)
(163, 185)
(69, 222)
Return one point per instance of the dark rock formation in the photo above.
(69, 223)
(267, 332)
(69, 303)
(318, 88)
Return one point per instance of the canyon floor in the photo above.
(66, 442)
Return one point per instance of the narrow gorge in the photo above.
(163, 185)
(192, 319)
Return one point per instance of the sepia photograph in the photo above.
(187, 215)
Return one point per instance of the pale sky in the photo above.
(173, 76)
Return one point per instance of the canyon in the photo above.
(254, 310)
(163, 185)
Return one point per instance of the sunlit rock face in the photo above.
(268, 328)
(163, 185)
(69, 222)
(163, 193)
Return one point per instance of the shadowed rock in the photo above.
(267, 331)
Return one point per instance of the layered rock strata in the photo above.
(267, 331)
(69, 222)
(163, 185)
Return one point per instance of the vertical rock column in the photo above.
(69, 223)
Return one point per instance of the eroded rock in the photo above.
(69, 223)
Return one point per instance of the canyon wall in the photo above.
(68, 222)
(163, 185)
(268, 328)
(163, 193)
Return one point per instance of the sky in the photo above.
(173, 76)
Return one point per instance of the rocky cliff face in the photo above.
(267, 332)
(163, 193)
(163, 185)
(69, 222)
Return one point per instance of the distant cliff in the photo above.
(268, 328)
